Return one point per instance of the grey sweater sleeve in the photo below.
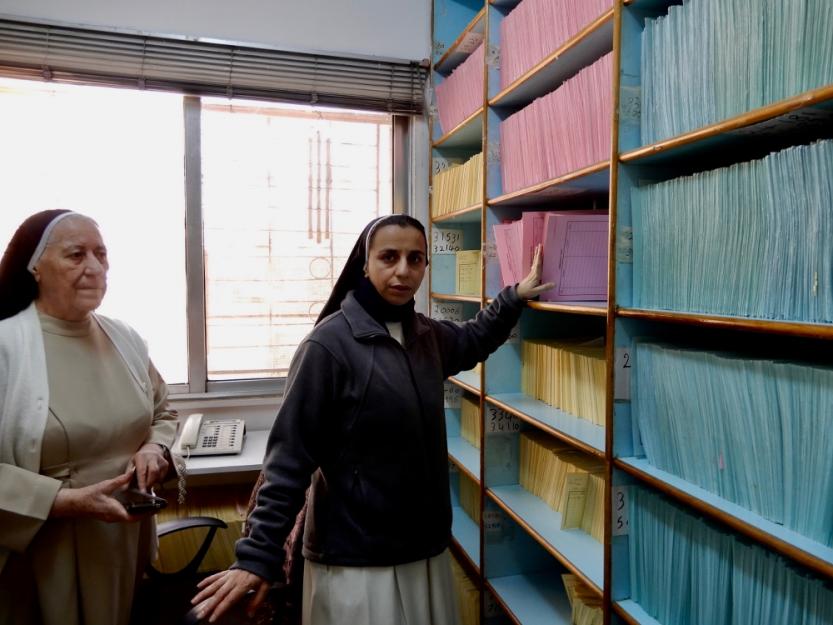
(296, 445)
(464, 345)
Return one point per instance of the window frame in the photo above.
(198, 385)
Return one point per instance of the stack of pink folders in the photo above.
(461, 94)
(536, 28)
(561, 132)
(574, 252)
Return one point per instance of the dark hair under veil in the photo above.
(353, 272)
(18, 287)
(285, 608)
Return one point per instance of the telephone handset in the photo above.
(205, 437)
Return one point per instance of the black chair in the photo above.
(164, 598)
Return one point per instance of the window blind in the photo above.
(80, 55)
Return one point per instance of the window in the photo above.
(252, 206)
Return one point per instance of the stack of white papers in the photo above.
(755, 432)
(751, 240)
(685, 571)
(709, 60)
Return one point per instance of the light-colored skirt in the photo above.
(417, 593)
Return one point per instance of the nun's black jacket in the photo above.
(365, 415)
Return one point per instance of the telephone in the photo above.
(205, 437)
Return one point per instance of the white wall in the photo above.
(398, 29)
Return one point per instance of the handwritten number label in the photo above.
(453, 396)
(621, 525)
(446, 241)
(501, 422)
(447, 311)
(622, 375)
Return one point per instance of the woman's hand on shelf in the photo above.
(531, 286)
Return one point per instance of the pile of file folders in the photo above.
(575, 244)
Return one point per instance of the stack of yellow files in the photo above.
(569, 481)
(470, 420)
(457, 187)
(569, 375)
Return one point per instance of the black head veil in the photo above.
(18, 287)
(353, 270)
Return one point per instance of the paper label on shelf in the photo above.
(491, 607)
(622, 374)
(489, 250)
(493, 152)
(576, 497)
(438, 164)
(453, 396)
(493, 523)
(501, 422)
(621, 525)
(624, 245)
(447, 311)
(493, 56)
(630, 104)
(470, 42)
(446, 241)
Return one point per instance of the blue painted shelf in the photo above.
(635, 612)
(466, 533)
(580, 429)
(534, 599)
(578, 549)
(469, 378)
(821, 554)
(464, 454)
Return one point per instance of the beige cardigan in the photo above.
(24, 407)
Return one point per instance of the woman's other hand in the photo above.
(151, 465)
(221, 591)
(531, 286)
(94, 501)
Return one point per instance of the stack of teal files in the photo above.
(709, 60)
(753, 431)
(751, 240)
(686, 571)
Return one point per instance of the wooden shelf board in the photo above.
(576, 550)
(803, 550)
(470, 214)
(468, 133)
(464, 560)
(465, 455)
(633, 613)
(589, 44)
(591, 179)
(579, 433)
(451, 297)
(786, 328)
(468, 381)
(734, 128)
(532, 598)
(452, 57)
(598, 309)
(467, 534)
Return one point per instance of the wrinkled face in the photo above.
(72, 273)
(396, 262)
